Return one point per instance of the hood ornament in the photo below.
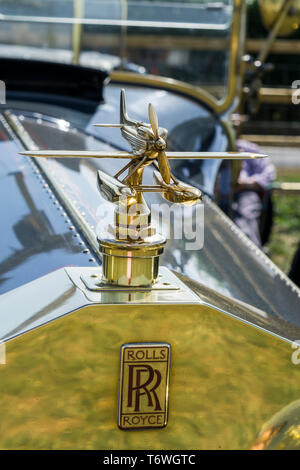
(131, 247)
(148, 143)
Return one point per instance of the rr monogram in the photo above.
(135, 391)
(144, 385)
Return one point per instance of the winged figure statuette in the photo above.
(148, 144)
(131, 246)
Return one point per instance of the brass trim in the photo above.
(273, 140)
(60, 382)
(93, 282)
(280, 46)
(78, 10)
(124, 295)
(197, 334)
(62, 292)
(59, 385)
(237, 47)
(276, 95)
(121, 76)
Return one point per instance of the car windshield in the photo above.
(185, 40)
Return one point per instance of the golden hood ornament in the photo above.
(148, 143)
(131, 247)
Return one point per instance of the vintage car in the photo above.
(100, 347)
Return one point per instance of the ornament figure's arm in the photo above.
(213, 155)
(77, 154)
(170, 155)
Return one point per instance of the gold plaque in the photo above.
(144, 385)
